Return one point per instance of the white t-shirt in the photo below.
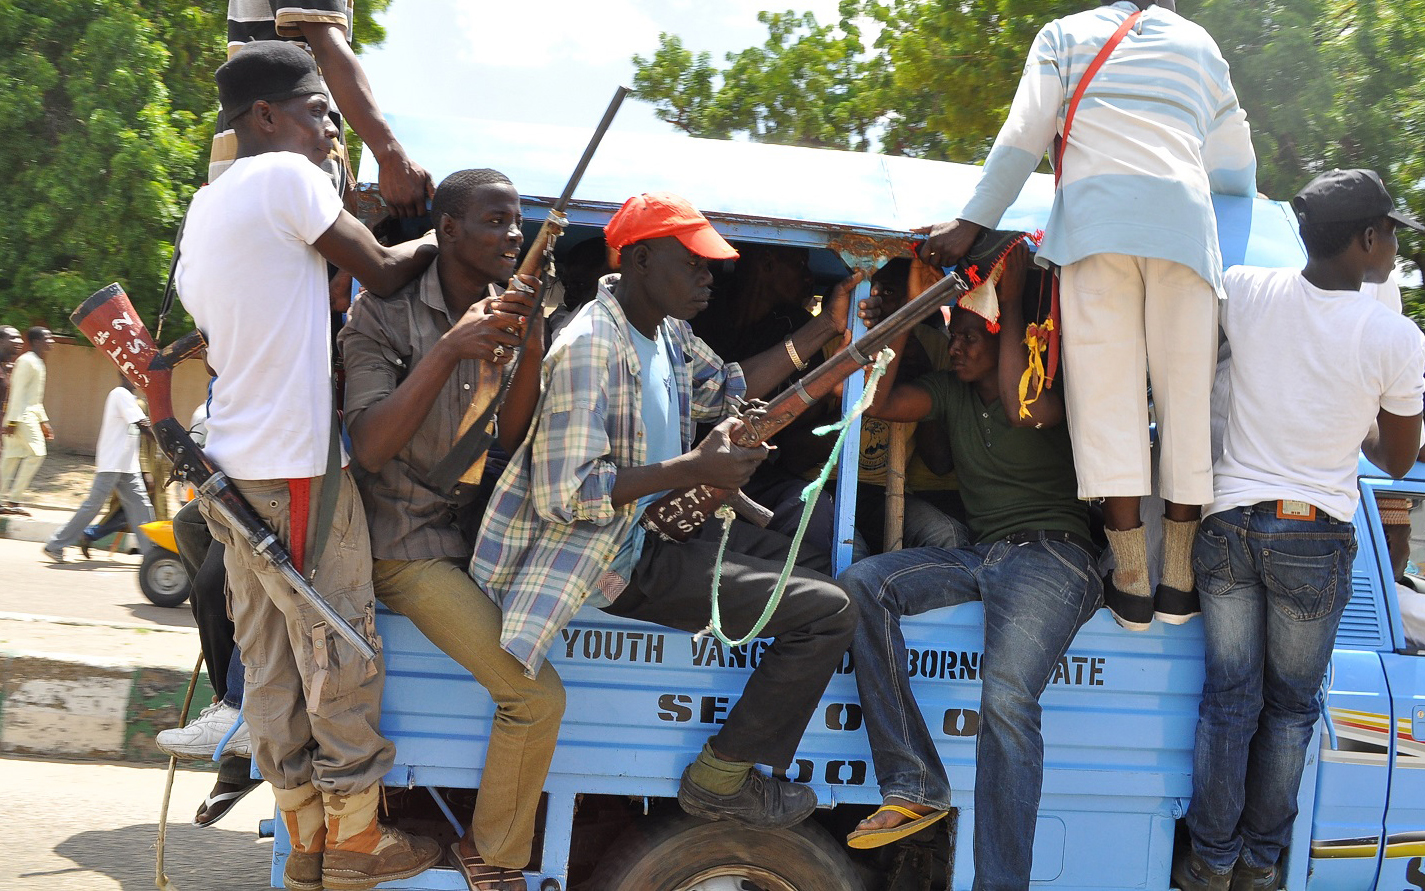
(1412, 614)
(1386, 293)
(258, 290)
(1310, 371)
(118, 448)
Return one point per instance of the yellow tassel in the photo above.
(1036, 337)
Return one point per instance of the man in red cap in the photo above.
(625, 383)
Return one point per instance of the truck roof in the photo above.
(757, 191)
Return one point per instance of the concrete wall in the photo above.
(79, 377)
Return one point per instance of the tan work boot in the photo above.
(361, 853)
(306, 822)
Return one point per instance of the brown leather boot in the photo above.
(305, 819)
(361, 853)
(302, 872)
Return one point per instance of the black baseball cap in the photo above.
(270, 70)
(1339, 196)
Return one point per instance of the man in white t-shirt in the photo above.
(1320, 372)
(253, 274)
(116, 469)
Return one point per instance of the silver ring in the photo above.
(500, 351)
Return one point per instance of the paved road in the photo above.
(93, 827)
(104, 589)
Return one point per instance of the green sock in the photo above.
(716, 775)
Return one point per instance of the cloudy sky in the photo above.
(555, 61)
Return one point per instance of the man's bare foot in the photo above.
(891, 819)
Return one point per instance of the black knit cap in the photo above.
(1342, 196)
(271, 70)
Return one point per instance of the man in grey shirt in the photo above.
(412, 364)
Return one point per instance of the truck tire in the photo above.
(681, 853)
(162, 578)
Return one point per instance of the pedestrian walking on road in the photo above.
(26, 426)
(116, 469)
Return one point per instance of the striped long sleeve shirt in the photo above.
(1158, 130)
(551, 533)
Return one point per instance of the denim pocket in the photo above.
(1304, 576)
(1212, 563)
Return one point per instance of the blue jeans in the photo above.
(1272, 592)
(1036, 596)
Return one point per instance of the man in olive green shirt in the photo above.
(1026, 555)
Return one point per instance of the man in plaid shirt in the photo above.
(624, 385)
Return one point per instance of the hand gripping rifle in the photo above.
(108, 319)
(677, 515)
(459, 471)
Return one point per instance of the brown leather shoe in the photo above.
(303, 872)
(399, 856)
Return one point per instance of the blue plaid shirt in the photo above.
(551, 531)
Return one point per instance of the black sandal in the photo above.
(481, 876)
(217, 804)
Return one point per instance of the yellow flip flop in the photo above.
(875, 838)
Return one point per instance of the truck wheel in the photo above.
(162, 578)
(686, 854)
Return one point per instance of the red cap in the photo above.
(660, 214)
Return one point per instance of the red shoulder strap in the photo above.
(1094, 66)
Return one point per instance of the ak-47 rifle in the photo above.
(677, 515)
(461, 468)
(108, 319)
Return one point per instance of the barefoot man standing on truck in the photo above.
(624, 384)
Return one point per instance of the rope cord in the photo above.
(809, 498)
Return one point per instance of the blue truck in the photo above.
(1119, 716)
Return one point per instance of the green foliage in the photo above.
(107, 108)
(805, 85)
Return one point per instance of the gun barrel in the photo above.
(266, 543)
(589, 149)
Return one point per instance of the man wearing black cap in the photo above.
(1320, 372)
(253, 273)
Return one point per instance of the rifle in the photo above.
(459, 471)
(677, 515)
(108, 319)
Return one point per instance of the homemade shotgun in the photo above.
(459, 471)
(109, 320)
(677, 515)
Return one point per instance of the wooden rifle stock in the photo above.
(677, 515)
(465, 462)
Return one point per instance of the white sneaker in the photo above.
(198, 740)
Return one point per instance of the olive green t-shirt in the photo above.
(1012, 479)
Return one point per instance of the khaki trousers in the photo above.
(1128, 320)
(441, 599)
(313, 718)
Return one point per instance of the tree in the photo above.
(803, 86)
(108, 109)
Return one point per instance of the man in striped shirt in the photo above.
(1157, 131)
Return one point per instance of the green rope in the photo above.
(809, 497)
